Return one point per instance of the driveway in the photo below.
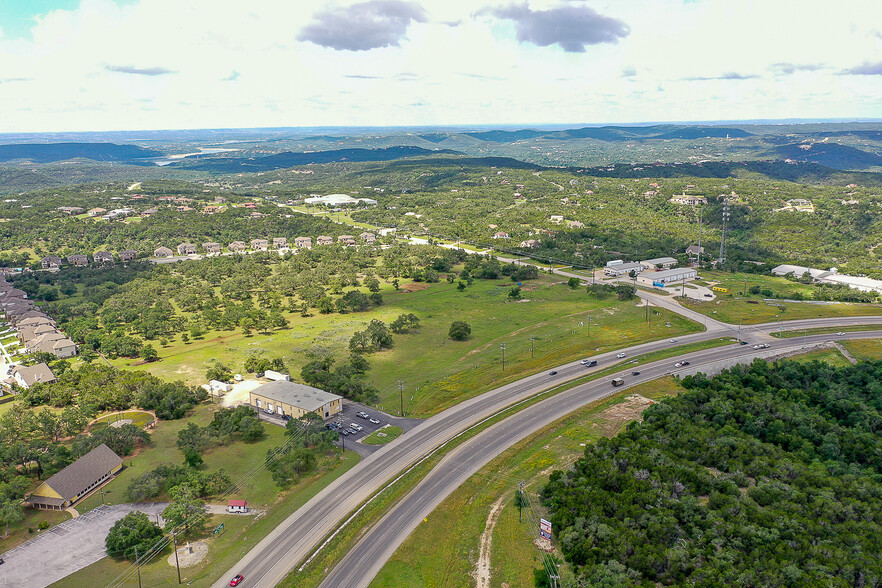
(67, 547)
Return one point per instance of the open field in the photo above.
(828, 356)
(864, 348)
(443, 550)
(436, 371)
(738, 306)
(139, 418)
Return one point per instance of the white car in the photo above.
(678, 365)
(760, 345)
(673, 340)
(840, 333)
(620, 355)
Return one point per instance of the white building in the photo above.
(831, 276)
(659, 263)
(671, 276)
(623, 269)
(339, 200)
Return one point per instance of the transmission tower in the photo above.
(725, 226)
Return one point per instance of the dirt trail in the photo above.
(482, 571)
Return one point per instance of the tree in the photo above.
(192, 458)
(193, 438)
(186, 509)
(573, 283)
(626, 291)
(218, 371)
(135, 531)
(461, 286)
(10, 512)
(515, 293)
(405, 322)
(148, 353)
(372, 284)
(459, 330)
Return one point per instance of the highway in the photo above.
(358, 568)
(267, 563)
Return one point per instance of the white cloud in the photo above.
(181, 63)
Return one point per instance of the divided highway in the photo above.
(292, 541)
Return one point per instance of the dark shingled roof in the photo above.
(83, 472)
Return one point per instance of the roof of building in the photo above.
(35, 374)
(627, 266)
(237, 503)
(798, 270)
(660, 260)
(671, 273)
(88, 469)
(300, 395)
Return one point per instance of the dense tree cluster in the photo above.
(308, 439)
(347, 379)
(767, 475)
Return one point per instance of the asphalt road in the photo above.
(364, 561)
(290, 543)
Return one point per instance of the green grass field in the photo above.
(442, 551)
(799, 333)
(383, 436)
(862, 349)
(436, 371)
(829, 356)
(139, 418)
(738, 306)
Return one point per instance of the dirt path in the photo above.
(482, 571)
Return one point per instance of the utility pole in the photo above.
(177, 563)
(700, 212)
(401, 395)
(502, 346)
(723, 236)
(531, 346)
(138, 563)
(589, 325)
(520, 499)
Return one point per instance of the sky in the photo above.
(102, 65)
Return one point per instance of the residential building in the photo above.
(78, 259)
(659, 263)
(280, 243)
(186, 249)
(77, 480)
(70, 209)
(339, 200)
(694, 250)
(346, 239)
(368, 237)
(211, 247)
(50, 262)
(556, 218)
(237, 246)
(163, 252)
(324, 240)
(501, 235)
(259, 244)
(103, 257)
(237, 506)
(672, 275)
(96, 211)
(128, 255)
(27, 376)
(688, 199)
(303, 242)
(294, 400)
(530, 244)
(574, 224)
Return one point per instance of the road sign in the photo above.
(216, 531)
(545, 529)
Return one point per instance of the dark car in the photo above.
(685, 363)
(635, 373)
(236, 579)
(552, 373)
(286, 417)
(744, 342)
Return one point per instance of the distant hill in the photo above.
(51, 152)
(829, 154)
(435, 137)
(291, 159)
(613, 133)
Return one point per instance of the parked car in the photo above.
(355, 427)
(236, 579)
(374, 421)
(286, 417)
(346, 432)
(708, 295)
(361, 414)
(620, 355)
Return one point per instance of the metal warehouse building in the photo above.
(672, 275)
(294, 400)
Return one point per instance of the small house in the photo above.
(324, 240)
(237, 506)
(96, 211)
(186, 249)
(50, 262)
(128, 255)
(368, 237)
(237, 246)
(259, 244)
(303, 242)
(211, 247)
(346, 239)
(103, 257)
(163, 252)
(77, 480)
(280, 243)
(78, 259)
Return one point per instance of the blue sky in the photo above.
(90, 65)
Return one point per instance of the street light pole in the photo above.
(531, 346)
(401, 395)
(502, 346)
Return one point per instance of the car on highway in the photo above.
(589, 362)
(552, 373)
(620, 355)
(237, 579)
(760, 345)
(374, 421)
(743, 342)
(673, 340)
(635, 373)
(681, 364)
(840, 333)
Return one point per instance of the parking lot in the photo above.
(349, 415)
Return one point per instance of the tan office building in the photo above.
(294, 400)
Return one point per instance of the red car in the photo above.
(235, 581)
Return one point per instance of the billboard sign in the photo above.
(545, 529)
